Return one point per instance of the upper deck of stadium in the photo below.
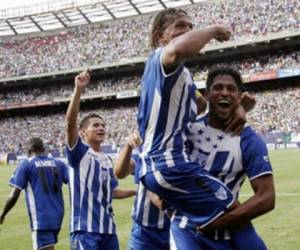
(66, 14)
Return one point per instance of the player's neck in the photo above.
(216, 122)
(96, 147)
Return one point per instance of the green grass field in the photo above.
(280, 229)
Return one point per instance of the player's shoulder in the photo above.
(249, 138)
(200, 122)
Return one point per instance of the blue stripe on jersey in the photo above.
(167, 104)
(91, 185)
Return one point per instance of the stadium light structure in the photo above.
(65, 13)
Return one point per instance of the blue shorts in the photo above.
(146, 238)
(188, 238)
(44, 238)
(190, 190)
(81, 240)
(247, 239)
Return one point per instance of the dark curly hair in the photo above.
(160, 22)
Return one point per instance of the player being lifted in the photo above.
(168, 103)
(42, 178)
(92, 182)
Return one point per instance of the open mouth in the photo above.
(224, 104)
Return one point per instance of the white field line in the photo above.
(278, 194)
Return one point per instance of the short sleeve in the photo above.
(76, 153)
(19, 177)
(255, 156)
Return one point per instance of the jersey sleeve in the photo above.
(19, 177)
(157, 71)
(76, 153)
(255, 156)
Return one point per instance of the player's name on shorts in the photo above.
(45, 163)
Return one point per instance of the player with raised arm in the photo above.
(41, 177)
(150, 227)
(168, 104)
(230, 159)
(92, 181)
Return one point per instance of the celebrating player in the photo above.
(168, 104)
(42, 179)
(92, 182)
(230, 159)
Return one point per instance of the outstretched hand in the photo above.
(82, 80)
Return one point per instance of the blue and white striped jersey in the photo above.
(167, 105)
(229, 158)
(91, 183)
(144, 212)
(42, 178)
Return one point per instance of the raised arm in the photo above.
(80, 83)
(124, 166)
(10, 203)
(190, 43)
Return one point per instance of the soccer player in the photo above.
(92, 182)
(150, 228)
(230, 159)
(168, 104)
(42, 178)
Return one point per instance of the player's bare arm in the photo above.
(124, 166)
(190, 43)
(10, 203)
(122, 194)
(81, 81)
(260, 203)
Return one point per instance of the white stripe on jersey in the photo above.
(152, 123)
(83, 169)
(71, 183)
(90, 197)
(161, 181)
(34, 240)
(172, 242)
(161, 217)
(146, 209)
(32, 207)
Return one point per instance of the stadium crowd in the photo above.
(276, 110)
(47, 93)
(127, 38)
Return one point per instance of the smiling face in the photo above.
(94, 131)
(174, 28)
(223, 96)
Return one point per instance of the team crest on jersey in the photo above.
(221, 194)
(266, 158)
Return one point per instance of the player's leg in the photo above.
(145, 238)
(191, 191)
(247, 238)
(44, 239)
